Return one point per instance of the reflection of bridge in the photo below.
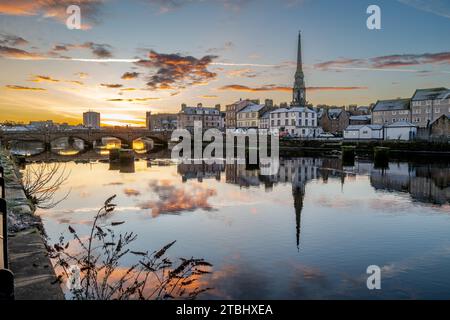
(90, 155)
(125, 135)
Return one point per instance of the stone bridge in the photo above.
(89, 136)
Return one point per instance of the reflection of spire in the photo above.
(299, 193)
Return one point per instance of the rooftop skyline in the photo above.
(138, 56)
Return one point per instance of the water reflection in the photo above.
(67, 146)
(310, 231)
(26, 148)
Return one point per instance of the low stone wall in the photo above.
(34, 277)
(20, 210)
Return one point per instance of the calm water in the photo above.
(309, 232)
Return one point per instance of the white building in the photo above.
(400, 131)
(91, 119)
(297, 121)
(364, 132)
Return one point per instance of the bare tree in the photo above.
(42, 181)
(153, 277)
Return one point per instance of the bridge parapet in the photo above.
(88, 135)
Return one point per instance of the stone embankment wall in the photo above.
(34, 276)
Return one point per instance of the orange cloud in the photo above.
(175, 71)
(15, 87)
(54, 9)
(111, 86)
(176, 199)
(130, 75)
(131, 192)
(39, 78)
(14, 53)
(133, 99)
(237, 87)
(335, 88)
(209, 96)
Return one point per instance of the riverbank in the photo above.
(366, 148)
(34, 277)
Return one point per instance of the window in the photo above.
(293, 122)
(279, 122)
(286, 122)
(307, 122)
(273, 123)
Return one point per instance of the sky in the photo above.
(134, 56)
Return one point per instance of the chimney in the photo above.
(183, 106)
(200, 105)
(269, 103)
(217, 107)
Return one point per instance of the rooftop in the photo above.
(253, 108)
(335, 113)
(200, 110)
(431, 94)
(361, 118)
(293, 109)
(359, 127)
(392, 105)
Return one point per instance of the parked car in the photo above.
(325, 135)
(240, 131)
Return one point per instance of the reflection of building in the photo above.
(161, 121)
(200, 171)
(91, 119)
(425, 183)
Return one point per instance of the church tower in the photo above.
(299, 92)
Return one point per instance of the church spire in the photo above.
(299, 91)
(299, 53)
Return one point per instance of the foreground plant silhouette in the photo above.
(42, 181)
(153, 277)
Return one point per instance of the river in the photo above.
(309, 232)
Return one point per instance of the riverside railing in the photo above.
(6, 276)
